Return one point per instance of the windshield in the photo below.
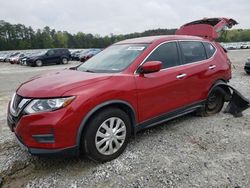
(113, 59)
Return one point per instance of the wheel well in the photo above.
(222, 84)
(122, 106)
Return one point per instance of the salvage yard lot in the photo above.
(186, 152)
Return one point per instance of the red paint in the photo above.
(151, 66)
(150, 95)
(207, 27)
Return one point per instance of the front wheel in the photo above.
(107, 135)
(214, 102)
(39, 63)
(64, 60)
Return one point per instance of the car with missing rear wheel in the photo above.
(132, 85)
(47, 57)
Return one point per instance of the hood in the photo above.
(56, 83)
(207, 27)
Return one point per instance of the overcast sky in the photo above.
(119, 16)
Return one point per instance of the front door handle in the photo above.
(180, 76)
(211, 67)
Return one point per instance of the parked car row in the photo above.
(48, 56)
(236, 45)
(36, 57)
(7, 56)
(85, 54)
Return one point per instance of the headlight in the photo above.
(46, 105)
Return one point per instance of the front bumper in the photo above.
(66, 152)
(30, 62)
(48, 133)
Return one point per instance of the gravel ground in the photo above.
(186, 152)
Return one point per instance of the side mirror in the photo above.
(150, 67)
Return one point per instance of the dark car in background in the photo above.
(51, 56)
(23, 60)
(247, 66)
(88, 54)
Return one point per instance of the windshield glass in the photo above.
(113, 59)
(38, 53)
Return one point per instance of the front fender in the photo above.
(102, 105)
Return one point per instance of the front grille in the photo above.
(18, 103)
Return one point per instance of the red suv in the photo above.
(129, 86)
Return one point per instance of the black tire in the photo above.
(89, 138)
(214, 103)
(39, 63)
(248, 72)
(65, 60)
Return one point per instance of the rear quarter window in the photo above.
(192, 51)
(210, 49)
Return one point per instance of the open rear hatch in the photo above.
(207, 27)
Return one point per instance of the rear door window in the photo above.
(210, 49)
(192, 51)
(58, 52)
(51, 52)
(166, 53)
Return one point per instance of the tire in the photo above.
(39, 63)
(64, 60)
(248, 72)
(214, 103)
(96, 139)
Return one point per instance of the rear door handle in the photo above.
(180, 76)
(211, 67)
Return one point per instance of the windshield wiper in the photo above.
(83, 70)
(86, 70)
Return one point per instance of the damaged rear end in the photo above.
(237, 102)
(209, 28)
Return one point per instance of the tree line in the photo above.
(19, 36)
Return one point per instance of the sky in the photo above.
(104, 17)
